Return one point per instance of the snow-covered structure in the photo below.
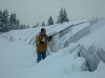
(72, 52)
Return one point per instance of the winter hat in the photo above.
(42, 29)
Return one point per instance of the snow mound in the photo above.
(18, 58)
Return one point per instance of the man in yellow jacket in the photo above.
(41, 44)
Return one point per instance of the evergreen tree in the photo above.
(23, 26)
(50, 21)
(13, 22)
(65, 18)
(14, 19)
(11, 19)
(4, 20)
(60, 17)
(5, 17)
(1, 15)
(17, 22)
(8, 23)
(27, 26)
(37, 24)
(17, 26)
(1, 26)
(43, 24)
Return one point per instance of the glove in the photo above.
(42, 42)
(50, 37)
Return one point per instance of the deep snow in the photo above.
(18, 57)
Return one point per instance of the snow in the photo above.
(94, 38)
(20, 62)
(61, 43)
(18, 57)
(99, 73)
(15, 57)
(60, 27)
(76, 63)
(98, 24)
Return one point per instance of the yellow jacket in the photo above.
(41, 47)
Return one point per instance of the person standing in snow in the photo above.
(41, 44)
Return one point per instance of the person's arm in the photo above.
(49, 38)
(38, 41)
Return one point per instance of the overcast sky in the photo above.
(30, 12)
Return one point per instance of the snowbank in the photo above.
(18, 59)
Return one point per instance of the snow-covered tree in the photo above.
(17, 22)
(12, 19)
(1, 15)
(9, 22)
(14, 22)
(5, 17)
(23, 26)
(27, 26)
(4, 20)
(43, 24)
(50, 21)
(14, 15)
(62, 16)
(37, 25)
(1, 26)
(65, 18)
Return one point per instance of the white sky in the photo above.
(30, 12)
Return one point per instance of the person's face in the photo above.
(44, 32)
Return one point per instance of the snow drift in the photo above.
(18, 57)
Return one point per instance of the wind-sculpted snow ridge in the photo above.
(93, 48)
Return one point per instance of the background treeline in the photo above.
(63, 17)
(9, 22)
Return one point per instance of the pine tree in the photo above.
(1, 15)
(5, 17)
(37, 24)
(17, 26)
(23, 26)
(13, 22)
(65, 18)
(8, 23)
(5, 20)
(43, 24)
(1, 26)
(60, 17)
(27, 26)
(17, 22)
(14, 19)
(50, 21)
(11, 19)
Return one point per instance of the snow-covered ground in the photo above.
(18, 57)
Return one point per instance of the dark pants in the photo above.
(40, 55)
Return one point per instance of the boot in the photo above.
(38, 61)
